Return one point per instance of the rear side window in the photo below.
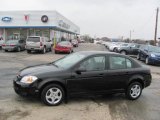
(117, 62)
(34, 39)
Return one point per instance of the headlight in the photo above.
(28, 79)
(152, 55)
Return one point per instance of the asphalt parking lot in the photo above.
(115, 107)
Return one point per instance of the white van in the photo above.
(38, 43)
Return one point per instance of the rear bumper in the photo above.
(62, 50)
(34, 48)
(10, 48)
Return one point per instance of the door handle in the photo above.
(101, 74)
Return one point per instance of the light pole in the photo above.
(131, 34)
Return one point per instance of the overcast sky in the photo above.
(110, 18)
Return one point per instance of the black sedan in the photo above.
(83, 73)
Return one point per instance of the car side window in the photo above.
(128, 63)
(94, 64)
(117, 62)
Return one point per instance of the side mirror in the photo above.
(80, 70)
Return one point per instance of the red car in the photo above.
(64, 46)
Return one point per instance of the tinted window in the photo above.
(34, 39)
(128, 63)
(94, 64)
(117, 62)
(69, 60)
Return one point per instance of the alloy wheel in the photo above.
(135, 91)
(53, 95)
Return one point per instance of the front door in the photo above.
(91, 80)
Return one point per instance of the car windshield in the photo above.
(69, 60)
(154, 49)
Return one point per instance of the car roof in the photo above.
(98, 52)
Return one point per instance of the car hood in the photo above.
(39, 69)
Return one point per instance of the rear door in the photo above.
(118, 72)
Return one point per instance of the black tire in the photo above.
(28, 51)
(55, 52)
(18, 49)
(45, 91)
(129, 91)
(138, 57)
(115, 50)
(147, 60)
(5, 50)
(123, 52)
(44, 50)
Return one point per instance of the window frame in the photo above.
(109, 65)
(89, 57)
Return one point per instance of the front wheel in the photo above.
(138, 57)
(123, 52)
(147, 60)
(52, 95)
(134, 91)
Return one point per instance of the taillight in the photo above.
(41, 44)
(12, 45)
(3, 45)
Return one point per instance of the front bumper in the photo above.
(25, 89)
(62, 50)
(154, 60)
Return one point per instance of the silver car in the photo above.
(14, 45)
(38, 43)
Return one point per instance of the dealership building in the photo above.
(21, 24)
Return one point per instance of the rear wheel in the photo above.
(134, 91)
(28, 51)
(123, 52)
(18, 49)
(44, 50)
(52, 95)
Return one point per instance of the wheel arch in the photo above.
(136, 78)
(43, 85)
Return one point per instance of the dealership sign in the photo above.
(63, 24)
(6, 19)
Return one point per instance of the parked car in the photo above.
(74, 43)
(113, 46)
(14, 45)
(1, 43)
(83, 73)
(64, 46)
(150, 54)
(38, 43)
(131, 49)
